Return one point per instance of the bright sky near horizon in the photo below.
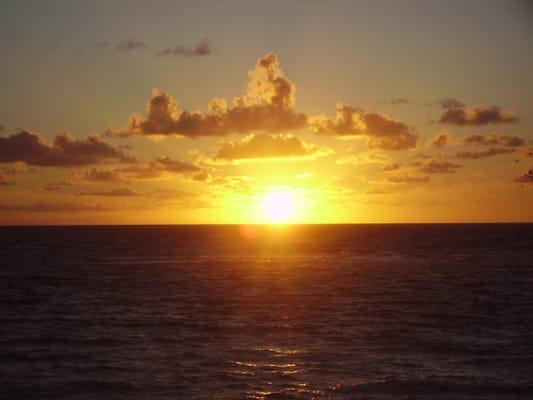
(257, 112)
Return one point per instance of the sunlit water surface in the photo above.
(325, 312)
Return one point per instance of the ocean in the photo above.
(258, 312)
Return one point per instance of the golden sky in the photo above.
(205, 121)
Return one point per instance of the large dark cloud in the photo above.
(267, 105)
(201, 49)
(383, 132)
(263, 146)
(490, 152)
(477, 116)
(494, 140)
(64, 151)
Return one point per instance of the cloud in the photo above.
(450, 102)
(440, 139)
(374, 191)
(391, 167)
(147, 170)
(100, 175)
(409, 179)
(51, 207)
(395, 101)
(201, 49)
(158, 167)
(53, 186)
(265, 146)
(64, 151)
(130, 44)
(430, 166)
(121, 192)
(477, 116)
(367, 157)
(383, 132)
(4, 181)
(491, 151)
(267, 105)
(493, 140)
(526, 178)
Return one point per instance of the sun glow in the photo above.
(278, 207)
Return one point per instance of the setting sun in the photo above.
(278, 207)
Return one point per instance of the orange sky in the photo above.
(268, 130)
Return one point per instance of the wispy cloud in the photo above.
(130, 44)
(201, 49)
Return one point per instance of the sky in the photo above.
(163, 112)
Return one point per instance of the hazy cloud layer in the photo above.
(409, 179)
(491, 151)
(494, 140)
(262, 146)
(267, 105)
(51, 207)
(120, 192)
(431, 166)
(64, 151)
(383, 132)
(4, 181)
(477, 116)
(143, 170)
(201, 49)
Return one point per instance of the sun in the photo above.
(278, 207)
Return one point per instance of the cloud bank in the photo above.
(267, 105)
(63, 151)
(382, 132)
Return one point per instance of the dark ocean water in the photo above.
(220, 312)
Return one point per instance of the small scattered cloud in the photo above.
(494, 140)
(267, 106)
(63, 151)
(382, 132)
(450, 102)
(527, 178)
(4, 181)
(409, 179)
(431, 166)
(201, 49)
(391, 167)
(130, 44)
(102, 175)
(394, 101)
(490, 152)
(441, 139)
(477, 116)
